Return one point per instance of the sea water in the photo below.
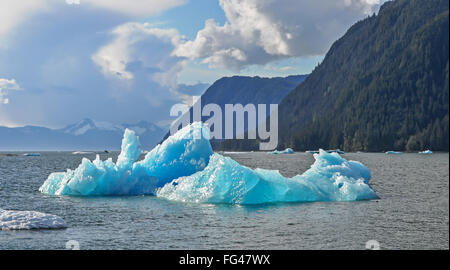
(412, 212)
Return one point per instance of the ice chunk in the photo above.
(27, 220)
(285, 151)
(182, 154)
(393, 153)
(330, 178)
(426, 152)
(32, 154)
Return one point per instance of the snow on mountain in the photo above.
(86, 134)
(85, 125)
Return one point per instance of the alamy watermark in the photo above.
(373, 245)
(73, 245)
(235, 121)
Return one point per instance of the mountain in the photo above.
(84, 135)
(80, 128)
(383, 86)
(254, 90)
(248, 90)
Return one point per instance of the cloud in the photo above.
(140, 53)
(52, 58)
(139, 49)
(261, 31)
(5, 86)
(136, 7)
(14, 12)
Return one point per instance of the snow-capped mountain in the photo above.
(86, 134)
(80, 128)
(86, 125)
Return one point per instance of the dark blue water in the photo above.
(411, 214)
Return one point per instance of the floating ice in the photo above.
(426, 152)
(183, 154)
(184, 168)
(330, 178)
(393, 153)
(285, 151)
(32, 154)
(27, 220)
(82, 153)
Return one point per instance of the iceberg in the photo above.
(285, 151)
(28, 220)
(330, 178)
(82, 153)
(184, 168)
(393, 153)
(32, 154)
(426, 152)
(182, 154)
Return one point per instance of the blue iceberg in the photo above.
(285, 151)
(183, 154)
(393, 153)
(330, 178)
(32, 154)
(184, 168)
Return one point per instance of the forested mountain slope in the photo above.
(383, 86)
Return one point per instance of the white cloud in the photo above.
(5, 86)
(64, 84)
(13, 12)
(260, 31)
(136, 7)
(140, 54)
(137, 43)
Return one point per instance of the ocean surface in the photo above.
(412, 212)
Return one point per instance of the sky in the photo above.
(123, 61)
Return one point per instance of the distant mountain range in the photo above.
(84, 135)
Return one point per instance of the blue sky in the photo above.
(190, 17)
(126, 61)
